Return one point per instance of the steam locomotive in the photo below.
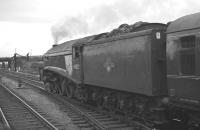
(150, 72)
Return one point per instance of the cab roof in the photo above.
(60, 49)
(187, 22)
(66, 47)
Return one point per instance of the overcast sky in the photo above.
(34, 25)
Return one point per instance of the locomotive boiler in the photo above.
(150, 72)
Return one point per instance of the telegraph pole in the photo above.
(27, 56)
(15, 61)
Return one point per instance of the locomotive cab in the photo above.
(77, 59)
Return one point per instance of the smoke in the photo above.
(68, 27)
(108, 16)
(103, 17)
(58, 32)
(94, 20)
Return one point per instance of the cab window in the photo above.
(45, 58)
(187, 55)
(76, 52)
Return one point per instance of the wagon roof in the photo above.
(185, 23)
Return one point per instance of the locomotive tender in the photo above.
(150, 73)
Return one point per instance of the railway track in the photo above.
(84, 116)
(27, 75)
(16, 114)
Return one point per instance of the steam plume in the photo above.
(68, 27)
(105, 17)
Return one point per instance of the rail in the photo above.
(93, 121)
(40, 117)
(4, 121)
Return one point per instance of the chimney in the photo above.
(54, 45)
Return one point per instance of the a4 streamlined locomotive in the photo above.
(151, 72)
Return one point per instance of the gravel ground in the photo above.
(41, 101)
